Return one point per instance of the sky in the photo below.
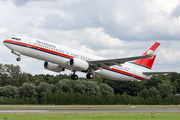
(106, 28)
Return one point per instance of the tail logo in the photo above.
(150, 52)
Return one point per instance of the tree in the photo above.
(165, 89)
(105, 89)
(64, 85)
(145, 93)
(110, 99)
(12, 75)
(176, 84)
(92, 87)
(97, 79)
(9, 91)
(43, 88)
(79, 87)
(153, 82)
(28, 90)
(153, 92)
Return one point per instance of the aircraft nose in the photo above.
(5, 42)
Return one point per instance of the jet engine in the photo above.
(78, 64)
(53, 67)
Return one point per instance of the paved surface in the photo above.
(93, 111)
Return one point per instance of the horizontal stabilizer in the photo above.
(157, 73)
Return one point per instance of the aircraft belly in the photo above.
(114, 76)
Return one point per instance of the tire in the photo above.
(89, 76)
(18, 59)
(74, 77)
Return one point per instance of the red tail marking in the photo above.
(148, 62)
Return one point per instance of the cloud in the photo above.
(119, 19)
(176, 11)
(21, 2)
(24, 2)
(3, 30)
(110, 29)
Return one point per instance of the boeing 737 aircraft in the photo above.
(58, 58)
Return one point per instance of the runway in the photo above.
(94, 111)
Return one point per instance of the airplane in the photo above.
(59, 58)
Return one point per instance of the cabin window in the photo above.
(15, 38)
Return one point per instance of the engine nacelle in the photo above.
(78, 64)
(53, 67)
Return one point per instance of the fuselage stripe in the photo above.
(141, 65)
(124, 73)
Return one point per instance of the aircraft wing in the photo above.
(157, 73)
(110, 62)
(96, 64)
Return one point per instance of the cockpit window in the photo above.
(15, 38)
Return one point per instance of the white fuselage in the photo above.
(60, 55)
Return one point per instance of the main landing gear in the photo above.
(18, 54)
(74, 77)
(88, 76)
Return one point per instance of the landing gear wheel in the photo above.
(89, 76)
(18, 59)
(74, 77)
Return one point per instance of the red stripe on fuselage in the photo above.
(125, 73)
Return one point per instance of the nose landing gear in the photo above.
(18, 54)
(18, 59)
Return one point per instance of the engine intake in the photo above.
(78, 64)
(53, 67)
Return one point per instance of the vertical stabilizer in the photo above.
(148, 62)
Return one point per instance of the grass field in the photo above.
(31, 107)
(89, 116)
(93, 116)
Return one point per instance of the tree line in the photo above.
(17, 87)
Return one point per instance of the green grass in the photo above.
(92, 116)
(32, 107)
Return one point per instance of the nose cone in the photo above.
(5, 42)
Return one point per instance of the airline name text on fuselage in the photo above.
(45, 43)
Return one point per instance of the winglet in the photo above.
(148, 62)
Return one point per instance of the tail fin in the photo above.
(148, 62)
